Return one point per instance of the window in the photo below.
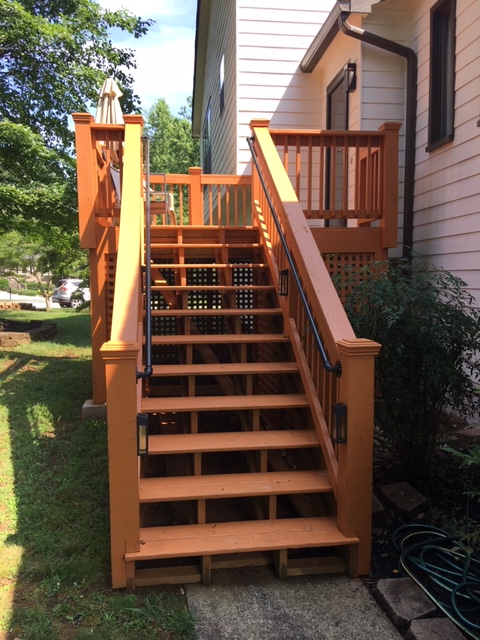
(206, 140)
(222, 83)
(442, 74)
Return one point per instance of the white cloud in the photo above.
(165, 56)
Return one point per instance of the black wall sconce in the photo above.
(283, 283)
(142, 434)
(339, 411)
(350, 77)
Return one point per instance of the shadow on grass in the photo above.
(59, 519)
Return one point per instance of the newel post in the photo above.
(389, 220)
(256, 186)
(87, 183)
(120, 367)
(355, 457)
(195, 197)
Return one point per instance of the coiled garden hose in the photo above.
(446, 570)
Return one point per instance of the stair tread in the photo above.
(215, 312)
(239, 537)
(209, 265)
(233, 485)
(216, 287)
(219, 338)
(204, 245)
(223, 403)
(219, 368)
(232, 441)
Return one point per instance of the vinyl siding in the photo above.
(447, 188)
(221, 41)
(272, 40)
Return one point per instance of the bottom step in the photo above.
(238, 537)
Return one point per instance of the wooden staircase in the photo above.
(239, 468)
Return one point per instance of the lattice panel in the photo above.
(242, 277)
(205, 299)
(339, 265)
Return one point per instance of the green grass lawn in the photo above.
(54, 524)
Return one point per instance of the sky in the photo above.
(165, 56)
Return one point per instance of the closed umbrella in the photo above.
(109, 110)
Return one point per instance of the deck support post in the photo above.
(355, 457)
(120, 366)
(195, 198)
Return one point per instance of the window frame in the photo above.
(441, 112)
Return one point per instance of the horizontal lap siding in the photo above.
(384, 82)
(222, 40)
(273, 36)
(447, 193)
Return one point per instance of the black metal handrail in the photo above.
(148, 370)
(328, 366)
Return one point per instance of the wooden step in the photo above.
(216, 287)
(232, 441)
(232, 485)
(209, 265)
(238, 537)
(220, 338)
(223, 403)
(205, 245)
(165, 313)
(223, 369)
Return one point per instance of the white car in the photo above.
(71, 292)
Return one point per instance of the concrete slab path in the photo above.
(253, 604)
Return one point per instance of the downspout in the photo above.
(410, 117)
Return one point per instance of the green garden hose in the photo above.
(446, 570)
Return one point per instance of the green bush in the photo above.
(3, 284)
(429, 361)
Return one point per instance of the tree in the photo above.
(45, 254)
(54, 56)
(172, 148)
(37, 184)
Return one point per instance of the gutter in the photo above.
(410, 117)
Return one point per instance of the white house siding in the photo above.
(272, 38)
(221, 41)
(447, 188)
(384, 80)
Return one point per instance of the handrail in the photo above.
(337, 367)
(148, 370)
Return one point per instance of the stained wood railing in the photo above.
(355, 355)
(345, 175)
(122, 359)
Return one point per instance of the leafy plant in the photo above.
(470, 459)
(430, 336)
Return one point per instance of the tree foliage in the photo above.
(54, 56)
(172, 148)
(37, 184)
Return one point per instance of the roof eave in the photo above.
(322, 41)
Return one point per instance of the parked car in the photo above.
(71, 292)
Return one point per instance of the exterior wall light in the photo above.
(339, 411)
(142, 434)
(350, 77)
(283, 283)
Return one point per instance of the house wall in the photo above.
(272, 38)
(447, 188)
(221, 41)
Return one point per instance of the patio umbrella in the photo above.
(109, 110)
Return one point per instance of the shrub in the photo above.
(429, 361)
(4, 284)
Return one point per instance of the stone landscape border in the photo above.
(25, 332)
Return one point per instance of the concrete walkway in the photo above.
(253, 604)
